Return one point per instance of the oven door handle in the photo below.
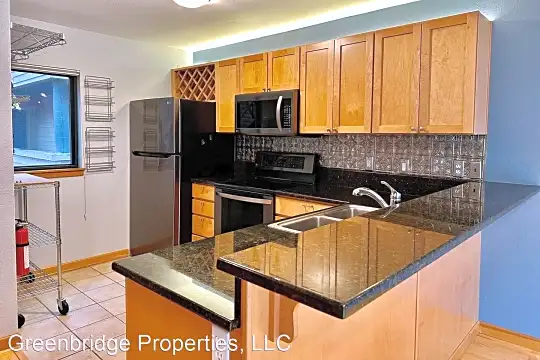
(278, 113)
(245, 199)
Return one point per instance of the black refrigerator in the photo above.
(172, 141)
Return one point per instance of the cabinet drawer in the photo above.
(202, 226)
(196, 237)
(293, 207)
(203, 192)
(204, 208)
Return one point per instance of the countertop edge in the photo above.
(178, 299)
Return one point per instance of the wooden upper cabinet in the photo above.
(353, 84)
(253, 73)
(226, 89)
(284, 69)
(454, 79)
(396, 79)
(316, 85)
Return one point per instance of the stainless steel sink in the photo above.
(348, 211)
(321, 218)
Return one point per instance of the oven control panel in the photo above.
(286, 162)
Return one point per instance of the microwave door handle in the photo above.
(278, 113)
(245, 199)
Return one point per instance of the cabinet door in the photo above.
(427, 241)
(316, 84)
(351, 256)
(448, 74)
(226, 89)
(396, 80)
(284, 69)
(318, 251)
(391, 248)
(253, 73)
(353, 84)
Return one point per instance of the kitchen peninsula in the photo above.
(372, 283)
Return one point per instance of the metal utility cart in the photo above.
(38, 282)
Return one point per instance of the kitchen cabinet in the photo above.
(316, 86)
(203, 192)
(253, 73)
(202, 226)
(272, 71)
(202, 205)
(426, 241)
(396, 77)
(353, 84)
(318, 245)
(286, 207)
(284, 69)
(454, 74)
(386, 255)
(226, 89)
(352, 247)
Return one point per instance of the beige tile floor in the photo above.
(96, 298)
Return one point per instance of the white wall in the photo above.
(139, 71)
(8, 293)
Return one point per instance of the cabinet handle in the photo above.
(328, 130)
(268, 89)
(422, 129)
(335, 131)
(413, 128)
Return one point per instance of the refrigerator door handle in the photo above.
(161, 155)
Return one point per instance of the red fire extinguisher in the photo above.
(23, 248)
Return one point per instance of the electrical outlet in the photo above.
(459, 168)
(404, 165)
(369, 162)
(475, 170)
(474, 190)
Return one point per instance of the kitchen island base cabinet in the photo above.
(149, 314)
(431, 315)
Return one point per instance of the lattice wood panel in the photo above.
(195, 83)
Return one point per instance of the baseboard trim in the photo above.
(4, 342)
(93, 260)
(510, 336)
(466, 343)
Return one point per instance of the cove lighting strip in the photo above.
(341, 13)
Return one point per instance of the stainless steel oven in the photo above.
(268, 113)
(237, 209)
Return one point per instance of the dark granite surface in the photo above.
(341, 267)
(336, 185)
(338, 268)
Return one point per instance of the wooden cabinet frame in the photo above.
(368, 79)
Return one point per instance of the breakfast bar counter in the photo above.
(398, 283)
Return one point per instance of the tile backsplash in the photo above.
(456, 156)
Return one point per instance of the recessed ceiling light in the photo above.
(192, 4)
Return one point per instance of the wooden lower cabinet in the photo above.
(202, 226)
(196, 237)
(292, 207)
(203, 208)
(203, 192)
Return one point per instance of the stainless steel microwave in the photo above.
(268, 113)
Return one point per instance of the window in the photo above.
(44, 116)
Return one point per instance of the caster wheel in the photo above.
(63, 308)
(30, 278)
(21, 320)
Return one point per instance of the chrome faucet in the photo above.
(395, 196)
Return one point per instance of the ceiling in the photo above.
(164, 22)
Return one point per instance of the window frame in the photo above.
(74, 81)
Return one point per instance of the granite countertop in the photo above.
(336, 269)
(341, 267)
